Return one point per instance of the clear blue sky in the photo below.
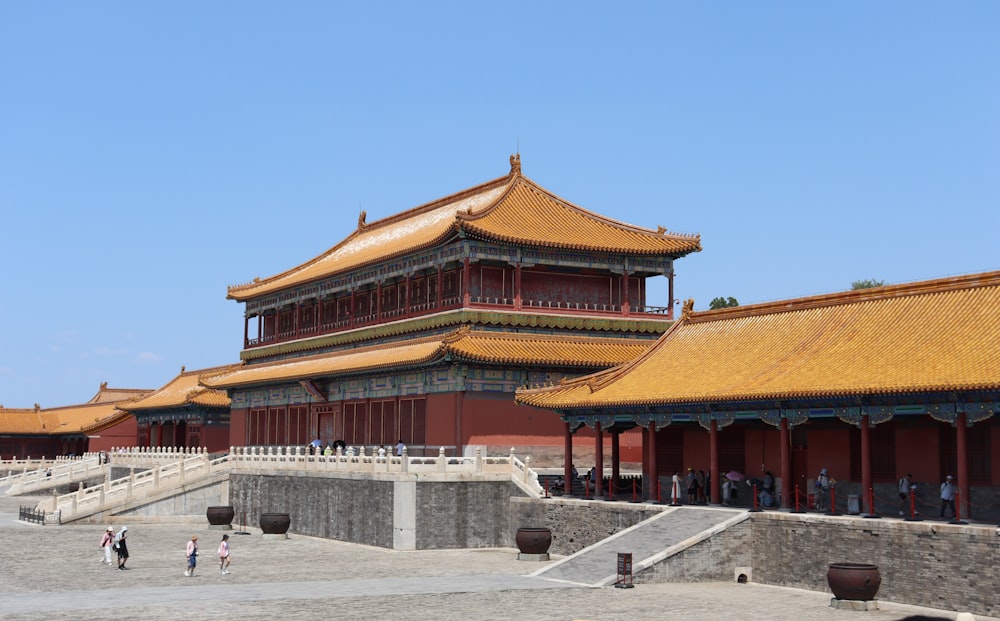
(154, 153)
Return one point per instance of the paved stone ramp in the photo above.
(648, 541)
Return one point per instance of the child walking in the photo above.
(224, 555)
(192, 555)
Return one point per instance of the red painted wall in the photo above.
(215, 438)
(830, 449)
(917, 453)
(121, 434)
(237, 428)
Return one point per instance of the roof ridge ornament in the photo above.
(515, 164)
(687, 308)
(361, 219)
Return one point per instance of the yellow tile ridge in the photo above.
(939, 285)
(364, 227)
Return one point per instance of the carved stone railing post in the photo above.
(479, 459)
(526, 475)
(404, 461)
(442, 460)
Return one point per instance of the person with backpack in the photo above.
(122, 546)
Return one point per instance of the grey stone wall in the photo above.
(930, 564)
(447, 514)
(713, 559)
(576, 524)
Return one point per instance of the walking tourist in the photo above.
(224, 555)
(107, 542)
(821, 489)
(122, 546)
(903, 488)
(400, 447)
(192, 555)
(691, 482)
(948, 495)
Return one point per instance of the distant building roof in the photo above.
(938, 335)
(182, 391)
(100, 412)
(511, 209)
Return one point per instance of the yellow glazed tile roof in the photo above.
(508, 348)
(20, 421)
(101, 410)
(463, 344)
(939, 335)
(510, 209)
(184, 390)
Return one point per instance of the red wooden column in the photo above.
(670, 295)
(615, 470)
(567, 461)
(378, 301)
(598, 460)
(963, 465)
(713, 460)
(786, 465)
(626, 307)
(654, 468)
(406, 305)
(466, 294)
(866, 462)
(440, 288)
(246, 331)
(517, 286)
(296, 310)
(354, 309)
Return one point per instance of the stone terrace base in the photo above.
(220, 527)
(854, 604)
(270, 536)
(521, 556)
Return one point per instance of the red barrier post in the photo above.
(546, 488)
(755, 507)
(913, 510)
(798, 508)
(871, 505)
(832, 509)
(957, 519)
(635, 495)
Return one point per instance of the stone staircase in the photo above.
(650, 542)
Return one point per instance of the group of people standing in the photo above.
(115, 543)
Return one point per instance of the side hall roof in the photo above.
(184, 390)
(937, 335)
(98, 413)
(509, 210)
(464, 344)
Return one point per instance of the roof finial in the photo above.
(361, 219)
(182, 368)
(515, 164)
(687, 308)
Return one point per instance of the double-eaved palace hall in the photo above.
(504, 316)
(419, 327)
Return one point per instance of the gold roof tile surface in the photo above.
(506, 348)
(529, 214)
(479, 346)
(184, 390)
(510, 209)
(937, 335)
(71, 419)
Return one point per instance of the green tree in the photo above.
(867, 284)
(723, 303)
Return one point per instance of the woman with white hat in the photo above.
(122, 547)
